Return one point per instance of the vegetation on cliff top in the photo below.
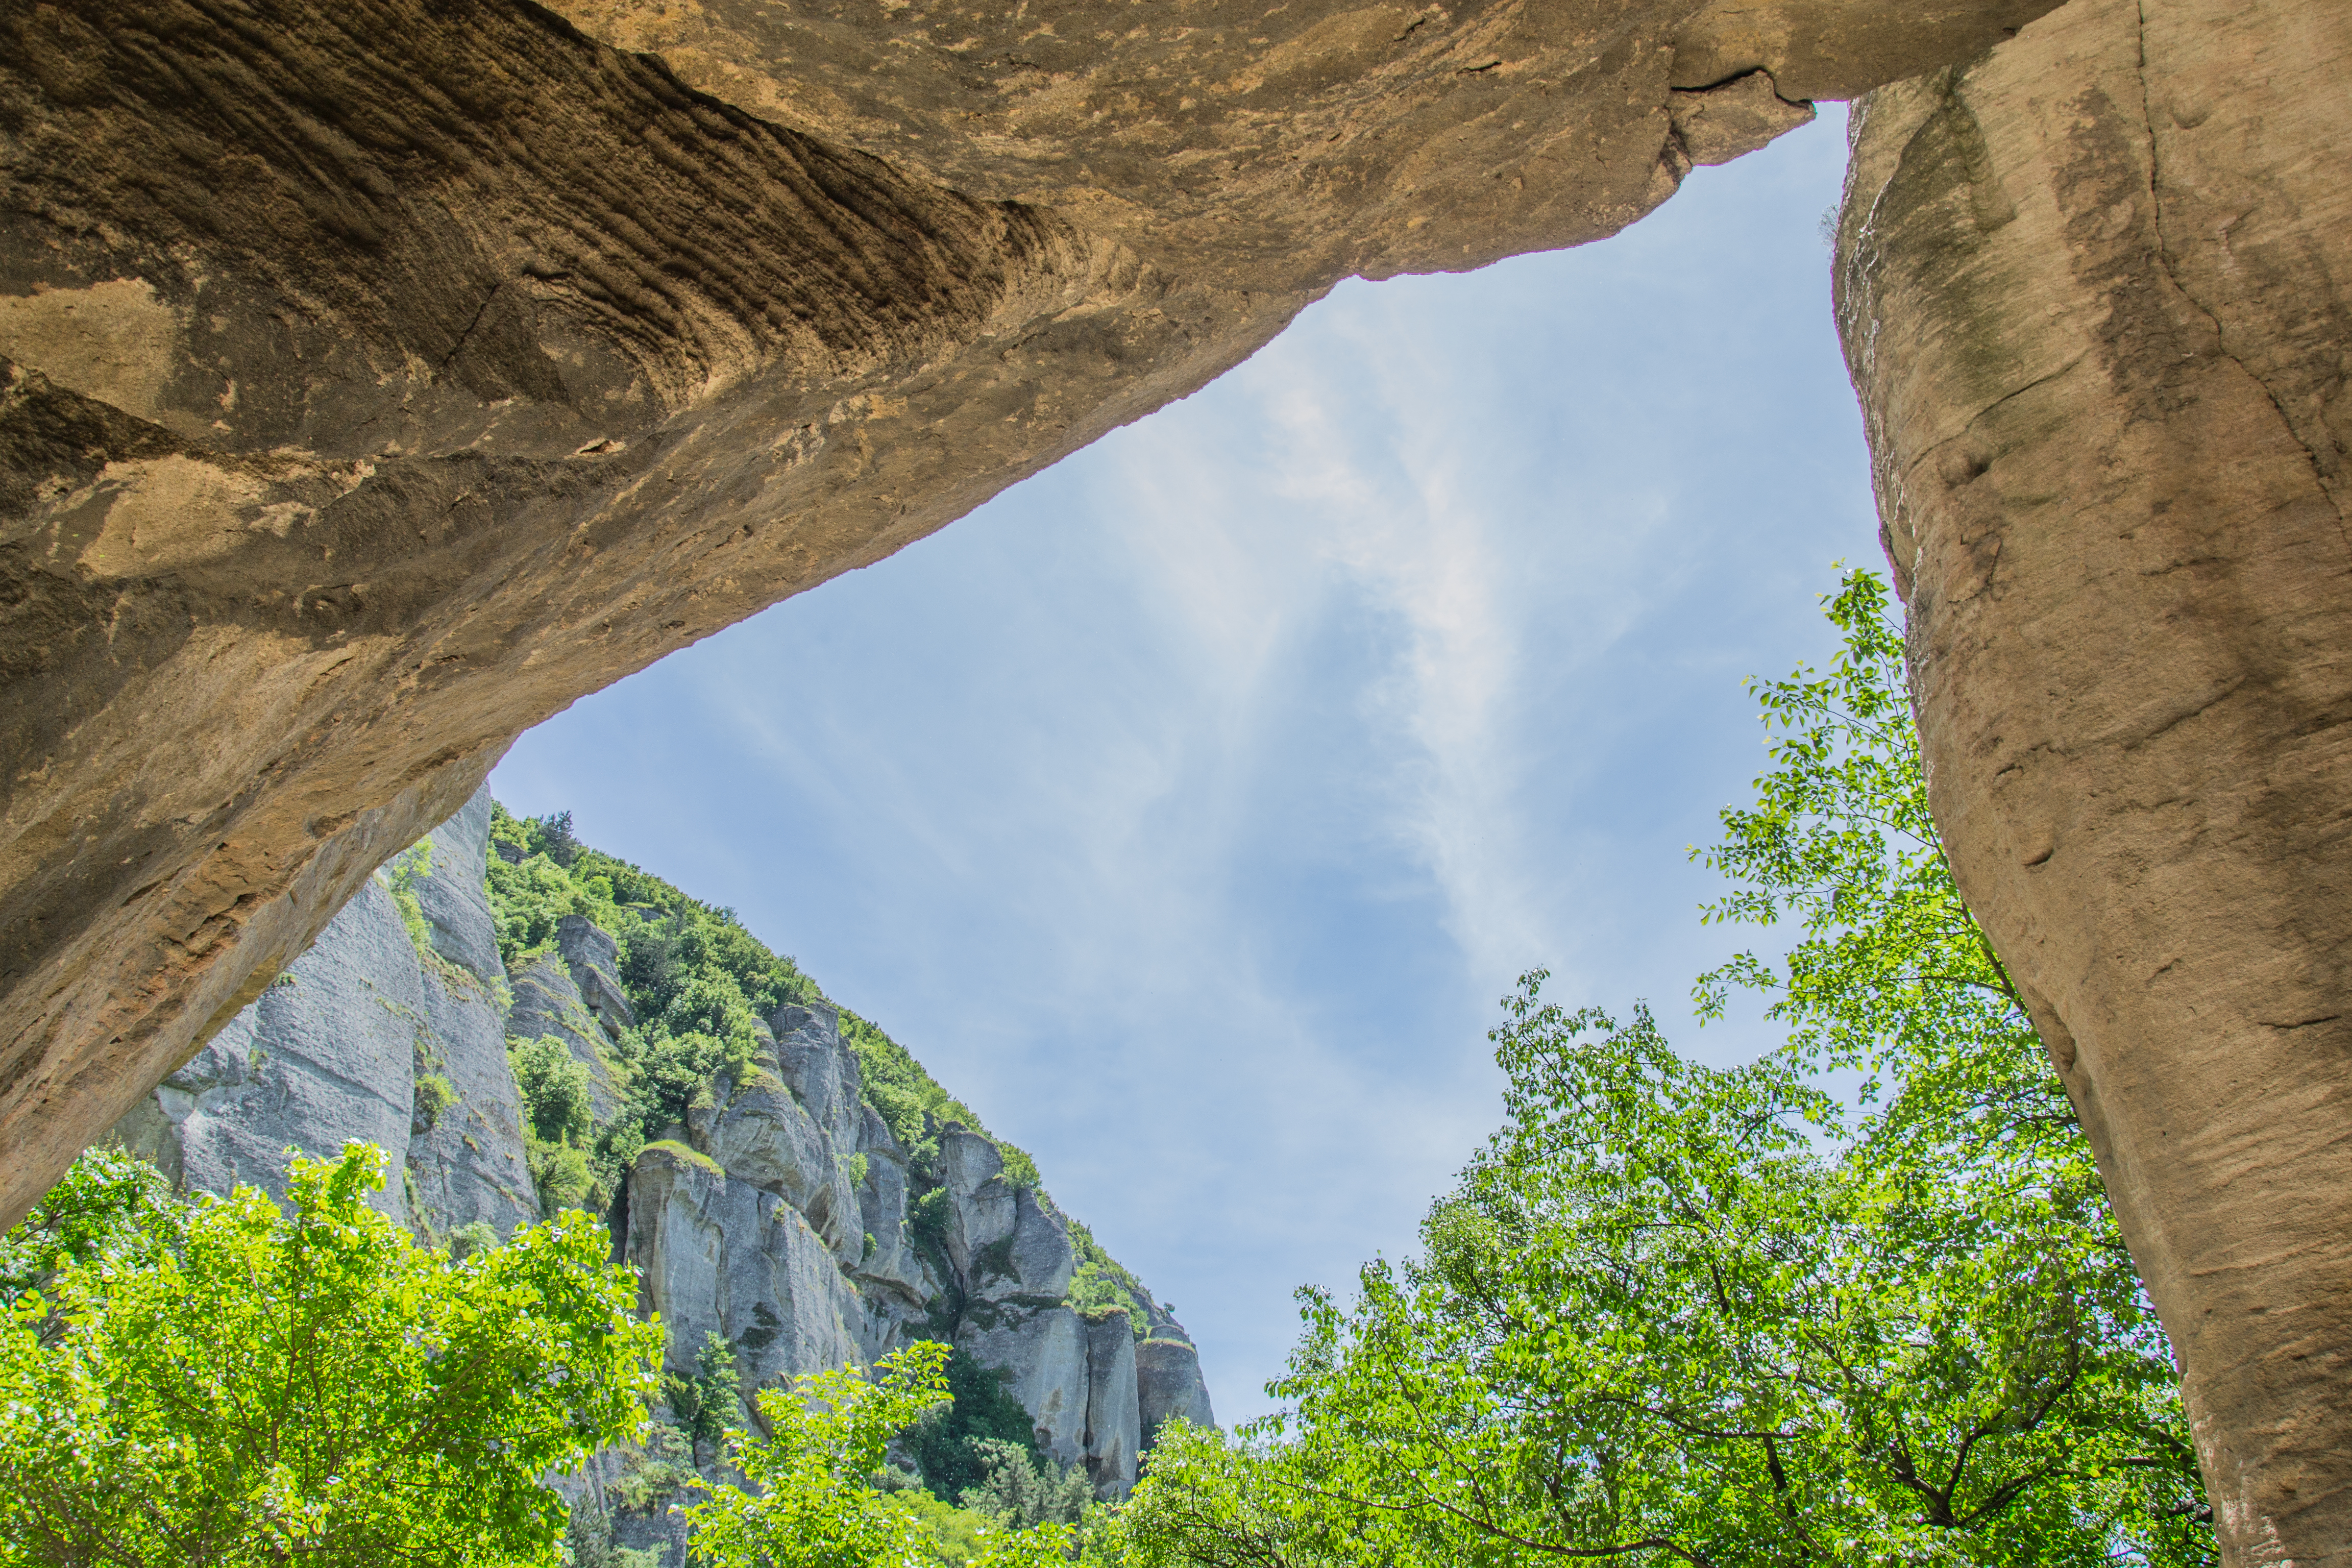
(700, 984)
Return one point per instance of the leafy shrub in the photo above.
(709, 1404)
(554, 1088)
(654, 1470)
(435, 1094)
(563, 1175)
(1100, 1285)
(309, 1385)
(947, 1447)
(111, 1206)
(472, 1239)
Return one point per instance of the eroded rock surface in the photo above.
(780, 1221)
(368, 1036)
(720, 1256)
(379, 377)
(2096, 292)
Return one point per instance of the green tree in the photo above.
(949, 1446)
(1207, 1501)
(812, 1501)
(1659, 1319)
(267, 1387)
(109, 1204)
(709, 1404)
(1019, 1489)
(1678, 1315)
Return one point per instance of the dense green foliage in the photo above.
(235, 1384)
(951, 1445)
(813, 1503)
(109, 1205)
(709, 1404)
(1099, 1285)
(1019, 1489)
(1678, 1315)
(702, 987)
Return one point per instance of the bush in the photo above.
(311, 1386)
(947, 1447)
(554, 1088)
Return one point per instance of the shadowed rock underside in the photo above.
(379, 377)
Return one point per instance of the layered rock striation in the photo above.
(377, 378)
(2096, 293)
(781, 1214)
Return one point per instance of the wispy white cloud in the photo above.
(1186, 808)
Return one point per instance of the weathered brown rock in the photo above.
(381, 376)
(2096, 292)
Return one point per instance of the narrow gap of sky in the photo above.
(1187, 808)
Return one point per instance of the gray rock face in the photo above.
(1033, 1263)
(325, 1056)
(890, 1261)
(821, 1070)
(719, 1255)
(1167, 1385)
(981, 1207)
(357, 1041)
(453, 896)
(1046, 1350)
(548, 1002)
(1001, 1239)
(593, 958)
(1114, 1434)
(762, 1136)
(466, 1163)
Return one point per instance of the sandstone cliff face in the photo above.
(780, 1218)
(2096, 292)
(379, 377)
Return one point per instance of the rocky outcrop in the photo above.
(1113, 1439)
(2096, 293)
(574, 994)
(780, 1218)
(1169, 1386)
(374, 1036)
(751, 1227)
(716, 1255)
(1043, 1345)
(382, 376)
(325, 1056)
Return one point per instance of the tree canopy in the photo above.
(1673, 1314)
(227, 1383)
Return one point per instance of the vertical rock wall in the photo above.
(778, 1217)
(373, 1036)
(2096, 293)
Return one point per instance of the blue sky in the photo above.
(1188, 808)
